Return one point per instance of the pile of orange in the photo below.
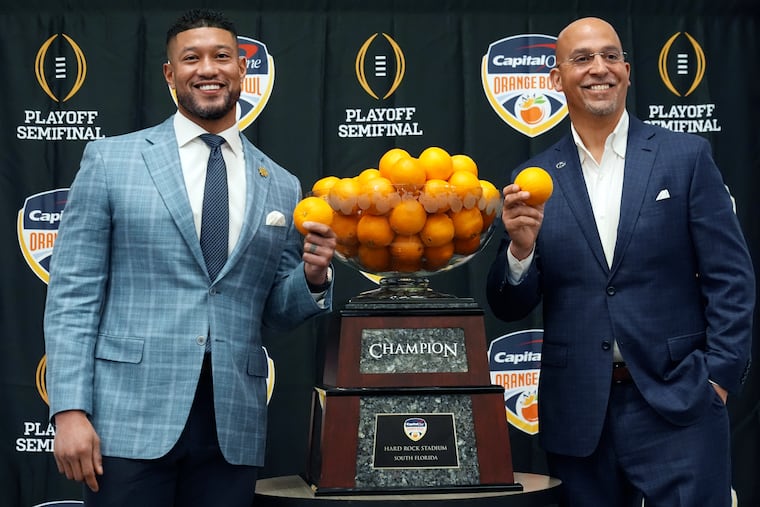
(410, 214)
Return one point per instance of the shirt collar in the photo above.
(617, 139)
(187, 130)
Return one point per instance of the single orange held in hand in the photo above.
(536, 181)
(312, 209)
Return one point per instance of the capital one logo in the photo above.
(514, 362)
(516, 80)
(66, 69)
(37, 228)
(682, 64)
(384, 71)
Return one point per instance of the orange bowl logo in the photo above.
(415, 428)
(515, 361)
(515, 75)
(682, 64)
(37, 229)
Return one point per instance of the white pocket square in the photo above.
(664, 194)
(276, 219)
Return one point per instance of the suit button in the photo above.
(611, 290)
(213, 291)
(201, 340)
(606, 345)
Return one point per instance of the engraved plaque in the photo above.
(416, 350)
(412, 441)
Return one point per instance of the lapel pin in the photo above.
(560, 165)
(263, 172)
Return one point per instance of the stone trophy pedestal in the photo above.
(406, 404)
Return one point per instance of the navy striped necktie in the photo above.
(215, 219)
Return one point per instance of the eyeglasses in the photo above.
(609, 57)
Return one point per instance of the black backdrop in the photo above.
(94, 69)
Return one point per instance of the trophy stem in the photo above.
(407, 293)
(401, 288)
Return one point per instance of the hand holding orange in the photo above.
(536, 181)
(312, 209)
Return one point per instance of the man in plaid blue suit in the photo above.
(147, 411)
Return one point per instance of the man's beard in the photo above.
(210, 112)
(602, 110)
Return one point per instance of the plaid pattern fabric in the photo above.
(130, 304)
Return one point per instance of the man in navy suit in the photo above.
(155, 368)
(648, 294)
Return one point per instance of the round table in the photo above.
(293, 491)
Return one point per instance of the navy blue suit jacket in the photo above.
(678, 298)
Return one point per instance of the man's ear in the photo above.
(169, 75)
(556, 79)
(243, 63)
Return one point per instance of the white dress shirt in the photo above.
(193, 156)
(604, 184)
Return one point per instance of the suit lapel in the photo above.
(569, 177)
(257, 188)
(639, 160)
(162, 160)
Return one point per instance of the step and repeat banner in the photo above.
(331, 86)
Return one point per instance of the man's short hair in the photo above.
(200, 18)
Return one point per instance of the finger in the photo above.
(319, 228)
(97, 458)
(510, 189)
(69, 472)
(59, 464)
(88, 474)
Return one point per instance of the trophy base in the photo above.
(409, 440)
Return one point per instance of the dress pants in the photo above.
(642, 454)
(193, 474)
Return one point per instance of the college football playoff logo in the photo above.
(386, 68)
(60, 66)
(682, 64)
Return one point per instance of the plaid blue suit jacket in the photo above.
(678, 298)
(130, 303)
